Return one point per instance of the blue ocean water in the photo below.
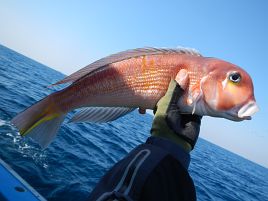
(81, 153)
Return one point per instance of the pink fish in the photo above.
(116, 85)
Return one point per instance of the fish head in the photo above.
(228, 91)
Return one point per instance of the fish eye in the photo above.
(235, 77)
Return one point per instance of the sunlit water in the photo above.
(81, 153)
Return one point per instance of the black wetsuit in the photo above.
(156, 170)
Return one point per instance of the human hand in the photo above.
(168, 122)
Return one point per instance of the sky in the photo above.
(68, 35)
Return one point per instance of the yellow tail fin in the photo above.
(39, 122)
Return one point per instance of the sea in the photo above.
(82, 152)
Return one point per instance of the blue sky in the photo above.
(68, 35)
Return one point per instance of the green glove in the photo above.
(169, 123)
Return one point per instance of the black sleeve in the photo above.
(147, 173)
(169, 181)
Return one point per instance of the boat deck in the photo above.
(13, 187)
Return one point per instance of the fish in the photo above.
(116, 85)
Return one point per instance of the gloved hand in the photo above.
(169, 123)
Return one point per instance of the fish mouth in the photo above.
(248, 110)
(245, 112)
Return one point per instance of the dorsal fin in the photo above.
(123, 56)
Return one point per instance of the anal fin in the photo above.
(100, 114)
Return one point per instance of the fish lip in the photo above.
(246, 118)
(248, 110)
(233, 116)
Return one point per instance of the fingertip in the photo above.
(182, 78)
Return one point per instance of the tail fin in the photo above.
(40, 121)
